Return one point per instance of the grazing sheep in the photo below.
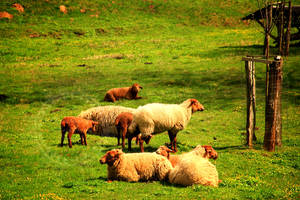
(133, 167)
(76, 125)
(122, 123)
(115, 94)
(201, 151)
(156, 118)
(194, 170)
(106, 116)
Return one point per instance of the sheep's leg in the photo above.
(172, 137)
(129, 143)
(81, 138)
(119, 134)
(124, 131)
(110, 97)
(71, 132)
(141, 145)
(84, 137)
(63, 132)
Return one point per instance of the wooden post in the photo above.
(272, 115)
(278, 136)
(268, 29)
(280, 28)
(288, 31)
(251, 115)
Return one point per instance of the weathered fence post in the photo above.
(273, 105)
(251, 115)
(288, 31)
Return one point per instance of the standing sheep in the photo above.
(105, 116)
(76, 125)
(156, 118)
(122, 123)
(133, 167)
(115, 94)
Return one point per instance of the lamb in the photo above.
(122, 123)
(205, 151)
(192, 167)
(115, 94)
(134, 167)
(76, 125)
(156, 118)
(105, 116)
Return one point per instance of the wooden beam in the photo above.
(258, 60)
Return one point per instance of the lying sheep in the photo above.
(194, 170)
(192, 167)
(133, 167)
(122, 123)
(105, 116)
(205, 151)
(76, 125)
(156, 118)
(115, 94)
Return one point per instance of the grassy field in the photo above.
(54, 65)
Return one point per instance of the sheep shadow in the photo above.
(134, 149)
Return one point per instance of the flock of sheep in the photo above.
(142, 123)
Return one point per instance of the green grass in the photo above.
(175, 50)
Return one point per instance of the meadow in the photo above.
(54, 65)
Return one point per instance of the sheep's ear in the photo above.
(192, 102)
(170, 150)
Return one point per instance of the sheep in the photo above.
(76, 125)
(205, 151)
(115, 94)
(105, 116)
(192, 167)
(194, 170)
(156, 118)
(134, 167)
(122, 123)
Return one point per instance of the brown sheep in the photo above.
(205, 151)
(122, 123)
(115, 94)
(76, 125)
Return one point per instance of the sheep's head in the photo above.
(147, 138)
(136, 88)
(164, 151)
(210, 152)
(111, 157)
(94, 126)
(196, 105)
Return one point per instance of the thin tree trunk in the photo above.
(251, 115)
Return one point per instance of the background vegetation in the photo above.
(54, 65)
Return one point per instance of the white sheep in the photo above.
(106, 116)
(194, 170)
(133, 167)
(205, 151)
(156, 118)
(192, 167)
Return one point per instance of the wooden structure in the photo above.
(273, 101)
(283, 16)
